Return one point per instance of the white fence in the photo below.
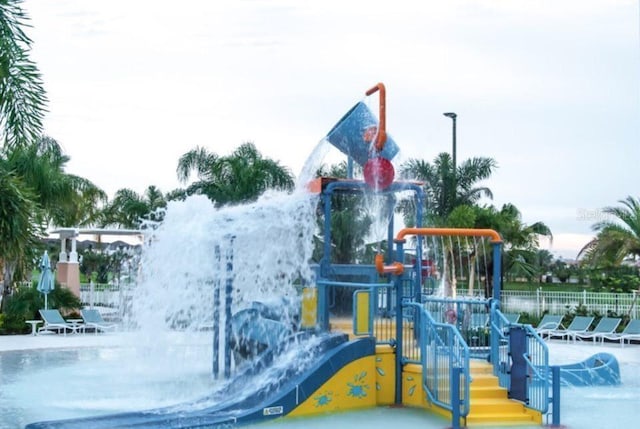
(533, 302)
(539, 301)
(103, 295)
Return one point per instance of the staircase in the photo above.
(490, 405)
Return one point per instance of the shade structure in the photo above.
(45, 282)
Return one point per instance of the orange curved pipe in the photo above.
(382, 132)
(396, 268)
(464, 232)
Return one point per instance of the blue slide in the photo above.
(290, 386)
(601, 369)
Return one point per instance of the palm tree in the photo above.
(521, 241)
(350, 221)
(19, 230)
(129, 209)
(616, 239)
(445, 191)
(240, 177)
(66, 199)
(22, 96)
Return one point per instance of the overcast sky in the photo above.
(548, 88)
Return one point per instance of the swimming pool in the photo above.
(57, 383)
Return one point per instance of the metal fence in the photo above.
(559, 302)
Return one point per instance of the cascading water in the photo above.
(269, 244)
(271, 247)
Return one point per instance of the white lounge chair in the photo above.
(579, 325)
(53, 321)
(93, 319)
(548, 324)
(606, 325)
(630, 332)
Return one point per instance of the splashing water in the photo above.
(269, 244)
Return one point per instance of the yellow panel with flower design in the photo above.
(385, 375)
(413, 394)
(352, 387)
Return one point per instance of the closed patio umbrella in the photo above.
(45, 282)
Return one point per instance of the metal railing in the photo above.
(444, 353)
(538, 301)
(103, 294)
(535, 355)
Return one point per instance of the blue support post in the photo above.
(216, 316)
(455, 397)
(555, 388)
(497, 270)
(325, 262)
(228, 298)
(399, 322)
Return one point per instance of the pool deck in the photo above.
(110, 339)
(560, 352)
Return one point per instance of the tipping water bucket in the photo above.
(355, 133)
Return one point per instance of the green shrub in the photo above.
(25, 302)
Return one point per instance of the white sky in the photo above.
(548, 88)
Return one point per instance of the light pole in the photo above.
(453, 116)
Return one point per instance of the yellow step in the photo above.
(480, 367)
(497, 419)
(488, 392)
(484, 380)
(489, 404)
(495, 405)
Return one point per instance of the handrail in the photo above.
(465, 232)
(536, 358)
(354, 284)
(441, 351)
(382, 132)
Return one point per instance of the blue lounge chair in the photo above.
(606, 325)
(512, 317)
(93, 319)
(579, 325)
(53, 321)
(630, 332)
(548, 324)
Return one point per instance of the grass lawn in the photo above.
(557, 287)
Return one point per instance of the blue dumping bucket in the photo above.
(354, 135)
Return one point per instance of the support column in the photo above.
(68, 269)
(63, 250)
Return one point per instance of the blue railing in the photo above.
(444, 353)
(535, 383)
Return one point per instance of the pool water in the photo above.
(49, 384)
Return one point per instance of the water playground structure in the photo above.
(389, 331)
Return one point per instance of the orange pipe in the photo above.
(464, 232)
(396, 268)
(382, 132)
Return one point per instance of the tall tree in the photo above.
(350, 221)
(22, 96)
(240, 177)
(129, 209)
(19, 231)
(521, 240)
(446, 189)
(618, 238)
(66, 199)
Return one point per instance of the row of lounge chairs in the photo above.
(91, 320)
(551, 327)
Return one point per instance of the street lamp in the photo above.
(453, 116)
